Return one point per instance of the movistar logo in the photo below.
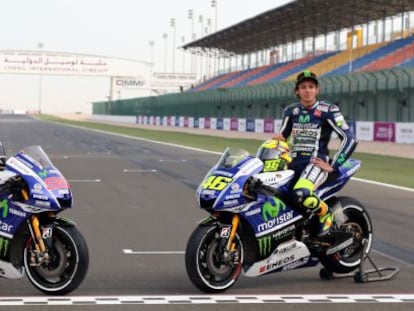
(43, 173)
(4, 205)
(304, 118)
(272, 208)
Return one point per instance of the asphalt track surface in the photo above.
(135, 205)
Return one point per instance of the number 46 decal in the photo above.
(216, 183)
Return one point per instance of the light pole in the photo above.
(172, 23)
(165, 36)
(151, 45)
(214, 5)
(40, 46)
(208, 61)
(192, 37)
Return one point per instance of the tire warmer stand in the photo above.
(363, 276)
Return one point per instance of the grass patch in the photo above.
(393, 170)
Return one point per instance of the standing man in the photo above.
(308, 126)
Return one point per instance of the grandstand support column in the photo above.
(182, 42)
(337, 40)
(192, 37)
(383, 27)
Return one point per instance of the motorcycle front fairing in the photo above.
(222, 187)
(47, 190)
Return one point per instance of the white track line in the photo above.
(206, 299)
(212, 152)
(131, 252)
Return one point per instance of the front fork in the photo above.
(231, 246)
(227, 244)
(41, 241)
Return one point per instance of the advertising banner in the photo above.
(219, 125)
(259, 125)
(364, 130)
(277, 124)
(201, 123)
(207, 123)
(226, 124)
(213, 123)
(196, 122)
(190, 122)
(404, 133)
(185, 122)
(384, 131)
(241, 123)
(269, 126)
(234, 124)
(250, 125)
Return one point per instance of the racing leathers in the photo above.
(309, 131)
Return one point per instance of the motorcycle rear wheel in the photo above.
(205, 266)
(359, 223)
(68, 263)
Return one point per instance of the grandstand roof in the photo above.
(297, 20)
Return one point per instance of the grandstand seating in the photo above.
(303, 66)
(277, 71)
(408, 63)
(337, 60)
(382, 51)
(393, 59)
(209, 84)
(252, 74)
(367, 58)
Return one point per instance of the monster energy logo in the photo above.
(4, 205)
(342, 158)
(307, 73)
(347, 164)
(265, 245)
(304, 118)
(4, 246)
(272, 210)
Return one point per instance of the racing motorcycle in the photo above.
(33, 239)
(254, 230)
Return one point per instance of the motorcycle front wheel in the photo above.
(67, 265)
(209, 268)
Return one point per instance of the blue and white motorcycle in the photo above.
(255, 231)
(33, 239)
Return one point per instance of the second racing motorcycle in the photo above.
(34, 240)
(255, 231)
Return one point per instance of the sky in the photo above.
(114, 28)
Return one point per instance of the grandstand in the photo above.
(300, 20)
(383, 55)
(370, 71)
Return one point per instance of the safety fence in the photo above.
(386, 95)
(397, 132)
